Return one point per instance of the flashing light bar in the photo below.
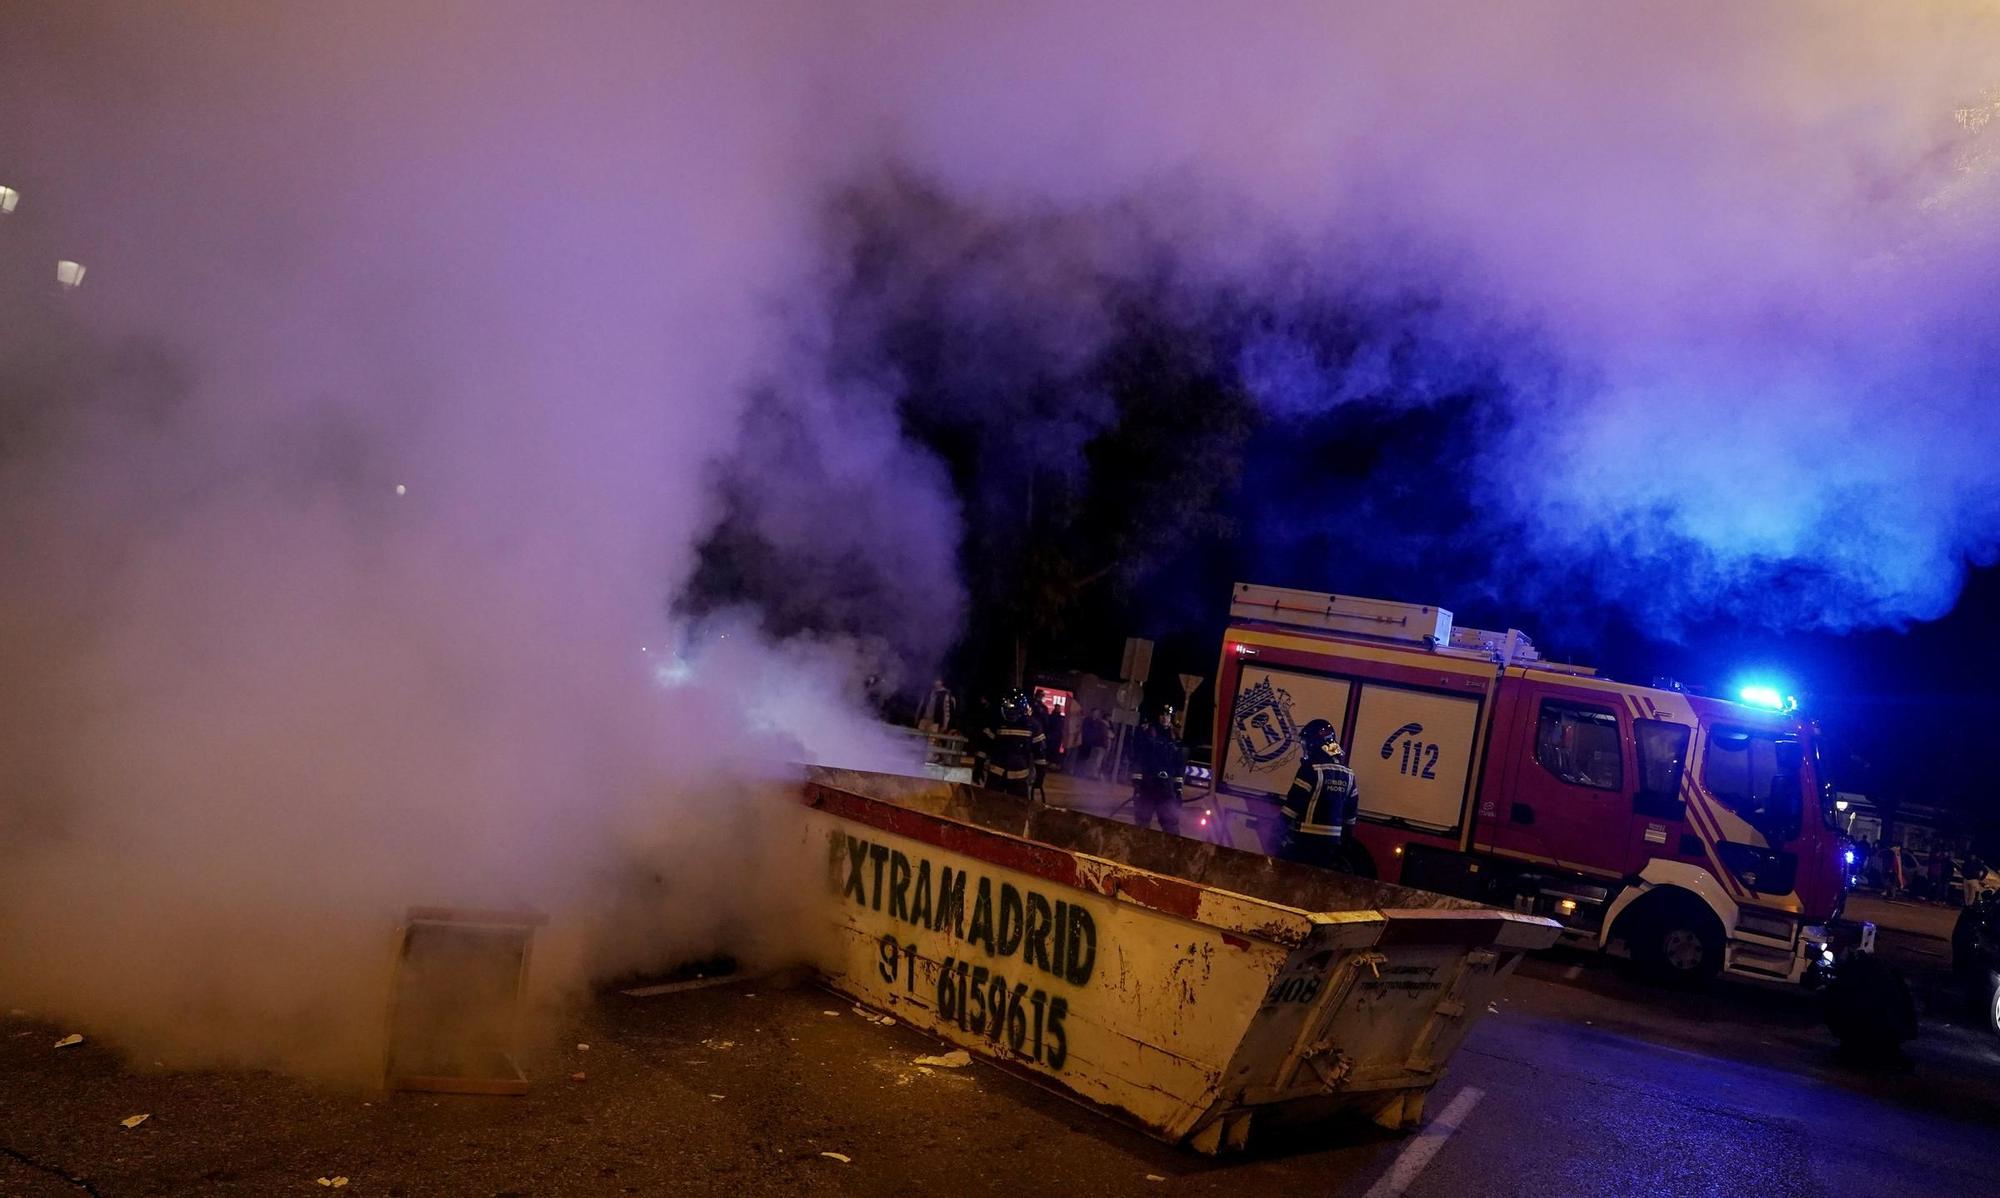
(1767, 697)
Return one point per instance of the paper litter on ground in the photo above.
(957, 1058)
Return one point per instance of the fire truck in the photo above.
(1687, 832)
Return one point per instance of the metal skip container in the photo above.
(1185, 986)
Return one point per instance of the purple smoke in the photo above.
(531, 266)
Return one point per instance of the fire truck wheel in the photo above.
(1677, 942)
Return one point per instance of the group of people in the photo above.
(1899, 872)
(1011, 755)
(1319, 809)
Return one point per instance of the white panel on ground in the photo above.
(1411, 752)
(1271, 707)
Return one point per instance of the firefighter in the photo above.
(939, 711)
(1012, 750)
(1320, 806)
(1159, 766)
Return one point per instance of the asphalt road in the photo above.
(1583, 1083)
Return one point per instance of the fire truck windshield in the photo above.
(1756, 775)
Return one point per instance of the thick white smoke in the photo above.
(528, 263)
(345, 503)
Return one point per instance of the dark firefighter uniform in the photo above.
(1012, 751)
(1159, 764)
(1320, 806)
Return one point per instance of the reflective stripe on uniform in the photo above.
(1308, 803)
(1011, 752)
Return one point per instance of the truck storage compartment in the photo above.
(1413, 747)
(1183, 985)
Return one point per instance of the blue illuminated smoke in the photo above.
(1651, 330)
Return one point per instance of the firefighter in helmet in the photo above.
(1159, 764)
(1320, 806)
(1012, 750)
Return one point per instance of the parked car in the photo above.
(1975, 881)
(1975, 954)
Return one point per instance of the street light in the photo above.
(69, 274)
(8, 198)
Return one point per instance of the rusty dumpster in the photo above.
(1187, 987)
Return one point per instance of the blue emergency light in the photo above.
(1770, 698)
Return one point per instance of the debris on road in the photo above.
(583, 1048)
(1154, 1177)
(842, 1157)
(831, 1014)
(578, 1076)
(678, 987)
(872, 1017)
(333, 1183)
(957, 1058)
(719, 1045)
(133, 1120)
(718, 1096)
(68, 1040)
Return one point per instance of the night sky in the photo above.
(1376, 504)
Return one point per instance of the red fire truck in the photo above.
(1690, 832)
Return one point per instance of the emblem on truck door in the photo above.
(1265, 731)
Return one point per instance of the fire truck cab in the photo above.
(1688, 832)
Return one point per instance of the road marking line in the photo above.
(1419, 1151)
